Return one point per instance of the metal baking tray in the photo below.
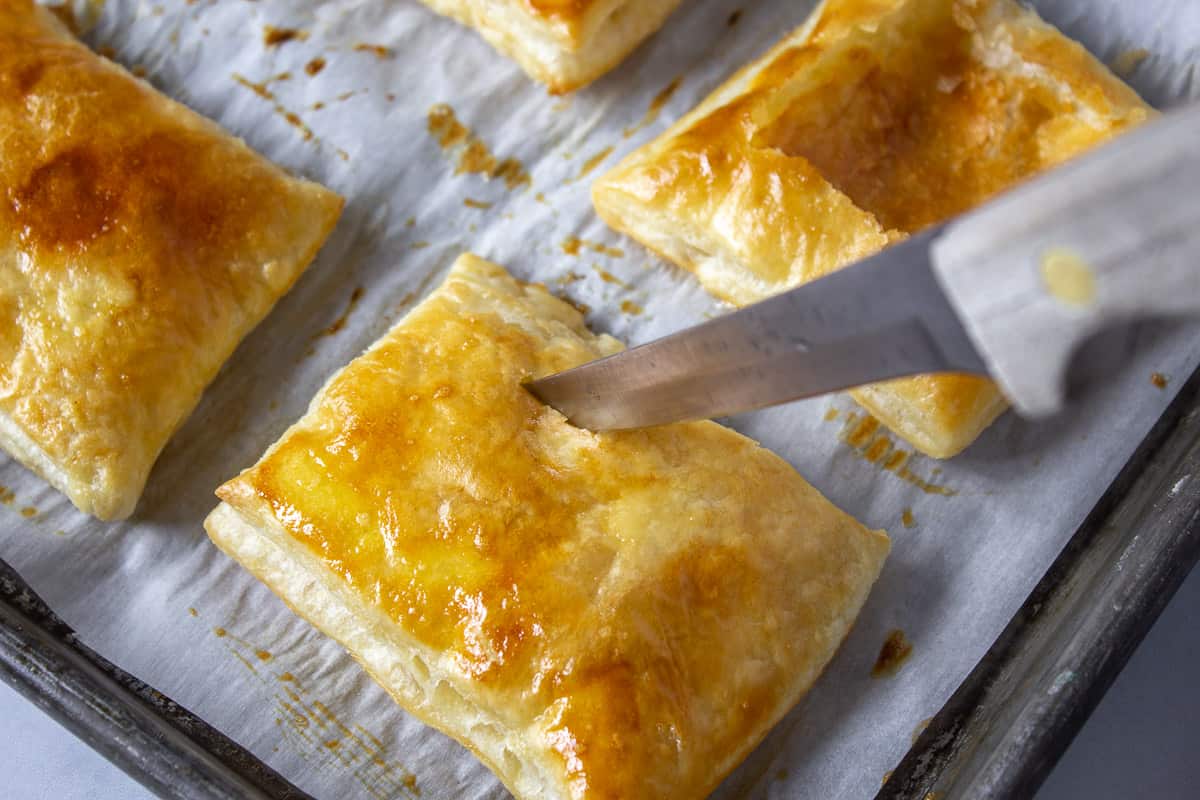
(998, 736)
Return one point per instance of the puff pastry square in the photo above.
(565, 44)
(875, 119)
(138, 244)
(594, 615)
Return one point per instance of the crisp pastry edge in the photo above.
(306, 586)
(551, 59)
(23, 449)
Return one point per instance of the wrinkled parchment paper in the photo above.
(154, 596)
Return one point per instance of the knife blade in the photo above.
(1011, 290)
(885, 317)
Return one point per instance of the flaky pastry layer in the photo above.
(618, 615)
(564, 44)
(875, 119)
(138, 244)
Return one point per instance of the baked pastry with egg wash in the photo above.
(874, 120)
(138, 244)
(617, 615)
(564, 44)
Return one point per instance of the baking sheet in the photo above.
(971, 537)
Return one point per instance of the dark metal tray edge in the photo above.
(1009, 722)
(159, 743)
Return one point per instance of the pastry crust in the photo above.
(138, 244)
(874, 120)
(617, 615)
(564, 44)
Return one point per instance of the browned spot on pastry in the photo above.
(315, 66)
(340, 322)
(569, 278)
(7, 496)
(887, 776)
(220, 633)
(84, 193)
(474, 156)
(895, 651)
(273, 37)
(656, 106)
(263, 655)
(630, 307)
(867, 438)
(193, 612)
(378, 50)
(478, 204)
(907, 518)
(831, 415)
(1159, 380)
(28, 512)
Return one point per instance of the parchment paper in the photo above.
(155, 597)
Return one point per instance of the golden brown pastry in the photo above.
(138, 244)
(595, 615)
(565, 44)
(874, 120)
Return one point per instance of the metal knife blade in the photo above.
(885, 317)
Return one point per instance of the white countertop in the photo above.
(1141, 742)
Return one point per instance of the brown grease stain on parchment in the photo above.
(594, 162)
(265, 93)
(473, 154)
(895, 651)
(340, 323)
(656, 107)
(573, 245)
(315, 733)
(1127, 61)
(273, 37)
(867, 438)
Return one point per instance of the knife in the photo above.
(1010, 290)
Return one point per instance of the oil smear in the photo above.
(656, 106)
(315, 733)
(895, 651)
(472, 154)
(867, 438)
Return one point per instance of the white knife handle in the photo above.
(1108, 237)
